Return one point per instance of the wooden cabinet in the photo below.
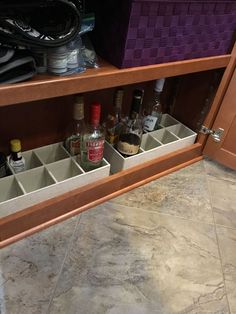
(225, 150)
(21, 98)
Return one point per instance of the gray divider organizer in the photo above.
(170, 137)
(49, 172)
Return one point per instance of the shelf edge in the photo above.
(45, 87)
(26, 222)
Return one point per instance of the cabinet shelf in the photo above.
(42, 215)
(45, 86)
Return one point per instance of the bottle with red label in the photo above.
(92, 140)
(72, 142)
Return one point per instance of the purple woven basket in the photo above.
(132, 33)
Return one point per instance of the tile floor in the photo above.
(168, 247)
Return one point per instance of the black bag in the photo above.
(18, 68)
(38, 23)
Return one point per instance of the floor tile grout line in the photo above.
(217, 238)
(69, 246)
(164, 214)
(226, 227)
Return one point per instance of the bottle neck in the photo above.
(118, 100)
(16, 156)
(117, 112)
(95, 114)
(79, 120)
(157, 96)
(78, 111)
(135, 108)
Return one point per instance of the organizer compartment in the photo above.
(9, 188)
(148, 142)
(35, 180)
(31, 160)
(164, 136)
(51, 153)
(167, 120)
(181, 131)
(73, 176)
(49, 172)
(172, 136)
(64, 169)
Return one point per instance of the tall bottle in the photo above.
(153, 119)
(72, 142)
(16, 160)
(131, 135)
(113, 123)
(92, 140)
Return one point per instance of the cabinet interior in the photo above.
(187, 98)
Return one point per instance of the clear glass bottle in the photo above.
(92, 140)
(16, 160)
(113, 123)
(72, 142)
(131, 135)
(152, 120)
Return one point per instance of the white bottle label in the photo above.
(18, 165)
(149, 123)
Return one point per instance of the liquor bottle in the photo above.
(153, 119)
(72, 142)
(113, 123)
(131, 135)
(16, 160)
(92, 140)
(3, 165)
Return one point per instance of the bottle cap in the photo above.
(159, 84)
(95, 113)
(15, 145)
(78, 112)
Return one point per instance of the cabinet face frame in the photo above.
(38, 217)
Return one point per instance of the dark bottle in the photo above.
(131, 135)
(72, 142)
(152, 120)
(113, 123)
(16, 160)
(3, 166)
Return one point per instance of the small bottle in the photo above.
(113, 123)
(16, 160)
(152, 120)
(72, 142)
(3, 165)
(131, 135)
(92, 141)
(57, 60)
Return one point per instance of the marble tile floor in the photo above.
(167, 247)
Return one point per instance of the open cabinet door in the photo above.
(225, 150)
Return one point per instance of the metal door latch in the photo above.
(216, 134)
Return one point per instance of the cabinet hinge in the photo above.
(216, 134)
